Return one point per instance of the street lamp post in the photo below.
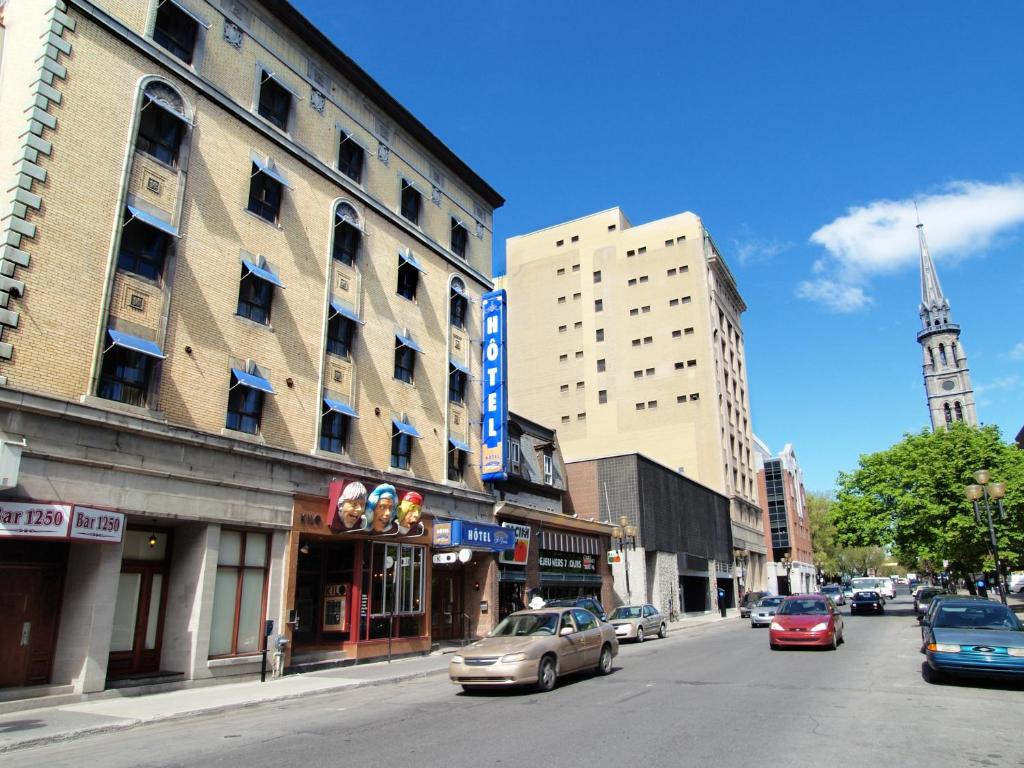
(784, 561)
(625, 538)
(985, 489)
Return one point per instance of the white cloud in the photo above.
(961, 219)
(1017, 353)
(1001, 384)
(753, 250)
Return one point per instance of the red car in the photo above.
(806, 620)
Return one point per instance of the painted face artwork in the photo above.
(352, 504)
(380, 508)
(410, 510)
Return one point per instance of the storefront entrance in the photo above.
(323, 587)
(447, 618)
(29, 609)
(141, 598)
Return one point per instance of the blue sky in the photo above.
(801, 132)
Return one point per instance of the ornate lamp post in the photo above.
(624, 535)
(784, 562)
(985, 489)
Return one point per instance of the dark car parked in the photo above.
(867, 602)
(590, 603)
(750, 599)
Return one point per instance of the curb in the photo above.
(125, 724)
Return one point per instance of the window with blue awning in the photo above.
(153, 221)
(337, 308)
(404, 427)
(252, 381)
(270, 169)
(262, 273)
(339, 407)
(134, 343)
(459, 445)
(405, 341)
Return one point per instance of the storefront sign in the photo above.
(350, 509)
(96, 524)
(38, 521)
(494, 461)
(614, 556)
(481, 536)
(520, 551)
(570, 562)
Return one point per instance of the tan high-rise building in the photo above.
(239, 282)
(628, 338)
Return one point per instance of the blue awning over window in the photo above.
(253, 381)
(460, 367)
(405, 429)
(406, 256)
(339, 407)
(459, 445)
(405, 341)
(152, 221)
(340, 309)
(263, 273)
(267, 167)
(135, 344)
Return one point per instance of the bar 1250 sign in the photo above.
(495, 402)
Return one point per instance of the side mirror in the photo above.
(565, 631)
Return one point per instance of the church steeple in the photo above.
(947, 380)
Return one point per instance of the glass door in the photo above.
(139, 608)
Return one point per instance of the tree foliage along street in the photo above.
(910, 500)
(833, 559)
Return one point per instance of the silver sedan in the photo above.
(635, 622)
(761, 614)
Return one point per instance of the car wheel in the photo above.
(933, 676)
(546, 675)
(835, 641)
(604, 662)
(663, 632)
(639, 634)
(842, 637)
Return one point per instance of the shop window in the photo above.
(240, 594)
(393, 577)
(175, 31)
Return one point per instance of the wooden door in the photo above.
(138, 619)
(29, 608)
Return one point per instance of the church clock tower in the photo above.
(947, 380)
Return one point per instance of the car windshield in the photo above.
(770, 602)
(830, 590)
(808, 606)
(626, 612)
(867, 596)
(519, 624)
(976, 617)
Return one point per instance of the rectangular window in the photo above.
(579, 385)
(549, 469)
(334, 430)
(640, 406)
(255, 296)
(688, 331)
(575, 267)
(351, 158)
(599, 334)
(695, 396)
(576, 297)
(563, 388)
(240, 592)
(641, 249)
(636, 342)
(597, 276)
(559, 243)
(565, 419)
(649, 372)
(602, 396)
(401, 448)
(577, 325)
(514, 456)
(631, 282)
(143, 249)
(456, 385)
(643, 279)
(408, 279)
(676, 334)
(691, 363)
(639, 374)
(669, 243)
(581, 416)
(630, 253)
(457, 310)
(680, 365)
(673, 302)
(560, 271)
(405, 362)
(600, 365)
(411, 202)
(684, 268)
(652, 404)
(346, 241)
(561, 300)
(633, 312)
(598, 305)
(563, 328)
(275, 101)
(680, 398)
(245, 408)
(264, 195)
(460, 238)
(563, 358)
(646, 308)
(339, 335)
(648, 339)
(579, 354)
(574, 239)
(672, 271)
(160, 133)
(685, 299)
(175, 31)
(124, 377)
(456, 464)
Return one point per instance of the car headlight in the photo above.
(510, 657)
(777, 626)
(820, 627)
(1015, 651)
(456, 659)
(944, 647)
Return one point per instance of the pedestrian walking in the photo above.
(721, 601)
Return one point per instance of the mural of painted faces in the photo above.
(380, 509)
(351, 506)
(409, 513)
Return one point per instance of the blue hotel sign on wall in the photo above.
(463, 533)
(495, 401)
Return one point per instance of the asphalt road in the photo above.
(710, 695)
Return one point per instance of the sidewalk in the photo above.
(117, 710)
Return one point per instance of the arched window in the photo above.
(942, 354)
(959, 411)
(947, 413)
(458, 304)
(931, 357)
(347, 234)
(956, 353)
(162, 124)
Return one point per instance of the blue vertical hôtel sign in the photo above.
(495, 375)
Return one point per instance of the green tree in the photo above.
(823, 533)
(909, 499)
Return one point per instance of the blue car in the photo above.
(973, 638)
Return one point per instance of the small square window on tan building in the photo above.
(564, 388)
(562, 329)
(641, 249)
(640, 406)
(676, 334)
(599, 334)
(671, 271)
(565, 419)
(650, 372)
(636, 342)
(578, 324)
(560, 271)
(652, 404)
(598, 305)
(646, 308)
(581, 416)
(669, 243)
(597, 276)
(575, 267)
(600, 365)
(688, 331)
(695, 396)
(563, 358)
(561, 299)
(602, 396)
(648, 339)
(579, 353)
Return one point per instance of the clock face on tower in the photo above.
(949, 385)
